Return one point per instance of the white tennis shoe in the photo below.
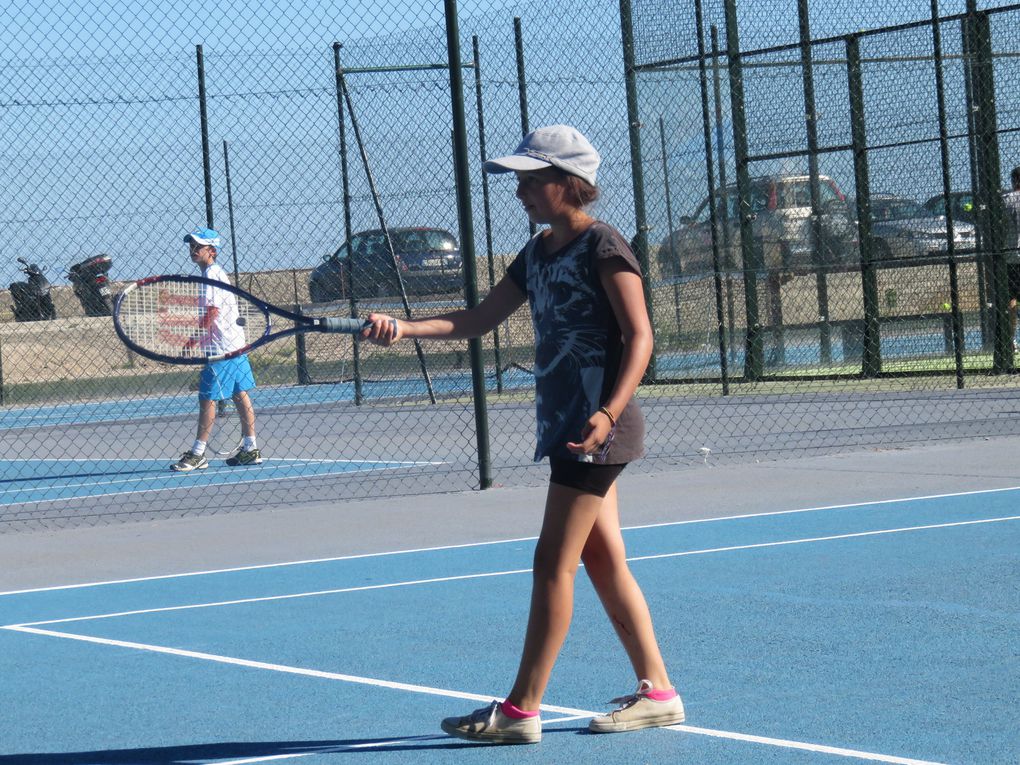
(190, 461)
(637, 711)
(489, 724)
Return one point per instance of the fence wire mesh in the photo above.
(781, 170)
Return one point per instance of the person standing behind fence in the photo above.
(1011, 207)
(228, 378)
(593, 341)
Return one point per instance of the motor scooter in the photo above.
(92, 285)
(32, 301)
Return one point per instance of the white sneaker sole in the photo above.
(624, 726)
(189, 469)
(492, 737)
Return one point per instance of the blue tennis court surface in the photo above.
(882, 632)
(265, 398)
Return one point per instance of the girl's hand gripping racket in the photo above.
(165, 319)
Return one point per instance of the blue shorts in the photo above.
(224, 379)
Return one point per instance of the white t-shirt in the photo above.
(1011, 203)
(225, 334)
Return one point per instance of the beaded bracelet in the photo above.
(607, 413)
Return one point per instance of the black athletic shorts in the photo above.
(589, 477)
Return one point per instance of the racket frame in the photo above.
(326, 324)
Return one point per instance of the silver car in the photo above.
(781, 224)
(902, 229)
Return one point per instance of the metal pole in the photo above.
(675, 270)
(467, 240)
(706, 126)
(486, 212)
(990, 183)
(954, 282)
(871, 358)
(983, 269)
(811, 121)
(386, 234)
(522, 92)
(721, 149)
(754, 351)
(230, 212)
(640, 241)
(204, 119)
(359, 394)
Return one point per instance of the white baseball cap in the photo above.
(556, 145)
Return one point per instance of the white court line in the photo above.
(171, 459)
(269, 598)
(828, 538)
(375, 682)
(440, 548)
(168, 476)
(489, 574)
(390, 466)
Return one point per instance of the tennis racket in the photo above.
(161, 317)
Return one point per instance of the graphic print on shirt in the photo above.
(570, 344)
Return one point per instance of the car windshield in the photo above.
(422, 241)
(896, 209)
(404, 240)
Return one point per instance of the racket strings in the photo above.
(166, 317)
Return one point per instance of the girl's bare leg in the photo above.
(605, 561)
(569, 517)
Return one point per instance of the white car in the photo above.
(902, 229)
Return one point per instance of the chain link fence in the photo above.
(782, 175)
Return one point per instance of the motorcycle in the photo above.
(92, 285)
(32, 301)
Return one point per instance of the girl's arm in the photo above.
(502, 300)
(627, 297)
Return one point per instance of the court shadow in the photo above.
(189, 753)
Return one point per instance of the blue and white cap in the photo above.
(204, 236)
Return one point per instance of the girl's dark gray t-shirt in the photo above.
(578, 345)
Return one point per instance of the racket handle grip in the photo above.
(347, 326)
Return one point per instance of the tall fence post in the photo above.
(706, 128)
(640, 241)
(675, 271)
(871, 359)
(230, 211)
(988, 181)
(720, 147)
(811, 124)
(522, 91)
(203, 113)
(348, 273)
(751, 256)
(983, 268)
(954, 279)
(476, 60)
(467, 240)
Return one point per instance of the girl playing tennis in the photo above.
(593, 341)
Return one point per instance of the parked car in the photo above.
(961, 202)
(781, 206)
(428, 260)
(902, 228)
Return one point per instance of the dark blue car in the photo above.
(427, 261)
